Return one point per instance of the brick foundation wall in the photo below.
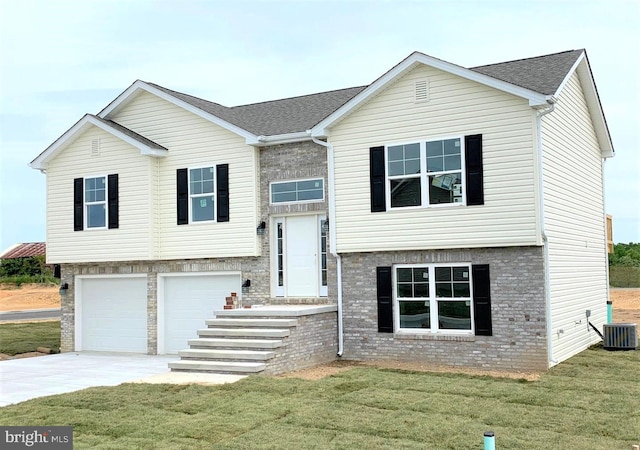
(517, 308)
(312, 342)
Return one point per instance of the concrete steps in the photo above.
(221, 354)
(234, 367)
(234, 344)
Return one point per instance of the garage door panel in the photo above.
(114, 314)
(189, 301)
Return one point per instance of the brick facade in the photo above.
(517, 308)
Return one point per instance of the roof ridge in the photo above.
(529, 58)
(298, 96)
(185, 94)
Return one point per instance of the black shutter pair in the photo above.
(481, 299)
(113, 207)
(222, 194)
(473, 169)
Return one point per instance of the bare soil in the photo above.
(28, 296)
(626, 309)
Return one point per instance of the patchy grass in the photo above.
(26, 337)
(589, 402)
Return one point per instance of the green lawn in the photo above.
(26, 337)
(589, 402)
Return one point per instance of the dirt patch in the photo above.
(626, 305)
(4, 356)
(28, 296)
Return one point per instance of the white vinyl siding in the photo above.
(135, 233)
(196, 142)
(456, 107)
(574, 223)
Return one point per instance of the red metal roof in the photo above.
(25, 250)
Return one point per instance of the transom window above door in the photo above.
(297, 191)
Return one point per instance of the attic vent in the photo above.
(421, 90)
(95, 146)
(620, 336)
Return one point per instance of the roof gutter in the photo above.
(333, 234)
(551, 102)
(275, 139)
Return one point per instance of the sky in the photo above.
(62, 59)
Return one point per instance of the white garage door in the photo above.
(189, 301)
(113, 314)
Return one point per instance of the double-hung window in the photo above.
(425, 173)
(95, 202)
(202, 194)
(433, 298)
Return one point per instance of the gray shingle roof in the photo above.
(542, 74)
(132, 134)
(275, 117)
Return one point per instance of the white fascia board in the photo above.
(595, 108)
(140, 85)
(42, 161)
(534, 98)
(263, 141)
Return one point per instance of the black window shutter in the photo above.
(222, 192)
(112, 200)
(385, 301)
(481, 299)
(78, 204)
(473, 159)
(376, 173)
(182, 191)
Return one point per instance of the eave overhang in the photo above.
(146, 147)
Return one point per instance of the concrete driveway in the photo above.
(27, 378)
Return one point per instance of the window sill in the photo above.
(403, 335)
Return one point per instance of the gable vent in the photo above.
(421, 90)
(95, 146)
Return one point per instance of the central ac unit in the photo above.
(620, 336)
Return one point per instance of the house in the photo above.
(440, 214)
(27, 250)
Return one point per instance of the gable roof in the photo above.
(25, 250)
(539, 80)
(146, 146)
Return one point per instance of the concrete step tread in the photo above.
(236, 343)
(258, 323)
(218, 366)
(226, 354)
(258, 332)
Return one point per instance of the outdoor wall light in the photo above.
(64, 287)
(246, 285)
(325, 226)
(261, 227)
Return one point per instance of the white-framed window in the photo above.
(426, 173)
(95, 202)
(202, 194)
(433, 298)
(324, 226)
(297, 191)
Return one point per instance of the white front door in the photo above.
(299, 257)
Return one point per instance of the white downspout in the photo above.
(547, 276)
(333, 234)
